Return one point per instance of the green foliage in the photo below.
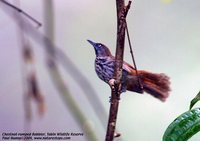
(184, 126)
(195, 100)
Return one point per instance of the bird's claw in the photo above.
(112, 83)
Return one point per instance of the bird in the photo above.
(155, 84)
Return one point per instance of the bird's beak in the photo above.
(91, 42)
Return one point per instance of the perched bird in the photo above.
(154, 84)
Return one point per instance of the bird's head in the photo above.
(100, 49)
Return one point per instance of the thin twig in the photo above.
(21, 11)
(115, 95)
(133, 58)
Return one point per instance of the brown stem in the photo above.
(122, 11)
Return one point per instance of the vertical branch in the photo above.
(56, 76)
(83, 82)
(115, 95)
(90, 94)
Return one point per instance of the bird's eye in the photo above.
(99, 45)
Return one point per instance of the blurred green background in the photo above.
(165, 36)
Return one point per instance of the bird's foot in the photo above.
(112, 83)
(121, 88)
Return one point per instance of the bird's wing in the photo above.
(128, 67)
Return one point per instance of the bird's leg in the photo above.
(112, 83)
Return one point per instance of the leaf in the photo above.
(195, 100)
(184, 126)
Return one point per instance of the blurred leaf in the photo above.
(195, 100)
(184, 126)
(63, 59)
(56, 77)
